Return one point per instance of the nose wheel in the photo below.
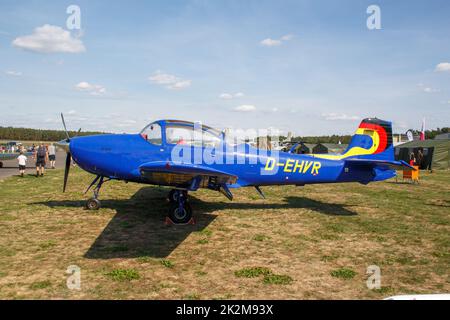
(180, 210)
(94, 203)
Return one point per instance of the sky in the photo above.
(309, 67)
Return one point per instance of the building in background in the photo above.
(436, 153)
(303, 148)
(322, 148)
(443, 136)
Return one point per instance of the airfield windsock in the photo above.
(422, 131)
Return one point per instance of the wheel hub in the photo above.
(180, 213)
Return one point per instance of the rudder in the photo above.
(372, 140)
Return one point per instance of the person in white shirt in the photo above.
(52, 155)
(22, 159)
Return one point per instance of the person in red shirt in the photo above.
(412, 159)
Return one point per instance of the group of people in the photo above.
(41, 154)
(6, 149)
(416, 161)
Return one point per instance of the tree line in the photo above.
(320, 139)
(345, 139)
(431, 134)
(26, 134)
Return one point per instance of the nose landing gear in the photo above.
(94, 203)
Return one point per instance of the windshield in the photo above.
(185, 134)
(152, 133)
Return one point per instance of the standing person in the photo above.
(412, 159)
(52, 155)
(22, 159)
(420, 158)
(41, 156)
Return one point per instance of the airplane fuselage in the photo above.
(120, 156)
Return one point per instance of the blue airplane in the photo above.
(187, 157)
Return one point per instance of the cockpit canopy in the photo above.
(174, 132)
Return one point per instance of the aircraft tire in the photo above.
(182, 217)
(1, 164)
(93, 204)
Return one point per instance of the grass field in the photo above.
(312, 242)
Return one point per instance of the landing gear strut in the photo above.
(180, 209)
(94, 203)
(173, 195)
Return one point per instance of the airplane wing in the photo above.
(391, 164)
(164, 172)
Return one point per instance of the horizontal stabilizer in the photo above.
(391, 164)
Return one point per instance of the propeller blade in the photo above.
(66, 171)
(65, 128)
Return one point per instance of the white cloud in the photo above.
(443, 67)
(180, 84)
(50, 39)
(339, 116)
(427, 89)
(127, 123)
(271, 43)
(245, 108)
(93, 89)
(72, 112)
(274, 110)
(276, 42)
(430, 90)
(13, 73)
(169, 81)
(226, 96)
(287, 37)
(229, 96)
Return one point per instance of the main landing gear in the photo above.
(180, 210)
(94, 203)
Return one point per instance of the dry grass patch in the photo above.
(295, 239)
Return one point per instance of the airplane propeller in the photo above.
(65, 128)
(67, 169)
(65, 144)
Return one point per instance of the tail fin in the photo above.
(372, 140)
